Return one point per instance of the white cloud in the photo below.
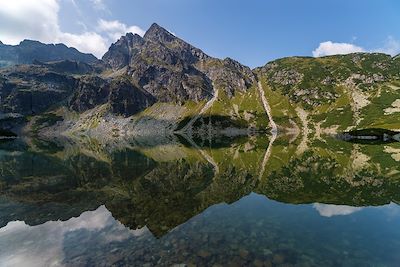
(330, 48)
(391, 46)
(115, 29)
(328, 210)
(88, 42)
(38, 20)
(99, 4)
(28, 19)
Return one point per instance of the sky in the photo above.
(253, 32)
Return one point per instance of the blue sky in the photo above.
(252, 32)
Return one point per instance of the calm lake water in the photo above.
(254, 201)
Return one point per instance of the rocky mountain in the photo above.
(161, 84)
(173, 70)
(162, 64)
(28, 51)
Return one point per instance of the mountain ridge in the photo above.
(27, 51)
(175, 80)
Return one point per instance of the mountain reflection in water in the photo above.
(248, 201)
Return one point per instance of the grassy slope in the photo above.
(245, 108)
(282, 109)
(374, 114)
(332, 101)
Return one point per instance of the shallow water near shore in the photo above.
(256, 201)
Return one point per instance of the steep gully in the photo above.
(208, 105)
(274, 128)
(188, 126)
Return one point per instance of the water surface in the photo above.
(254, 201)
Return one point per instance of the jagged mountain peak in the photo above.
(120, 53)
(173, 70)
(131, 38)
(159, 35)
(128, 41)
(156, 33)
(232, 62)
(157, 45)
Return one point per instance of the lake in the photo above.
(249, 201)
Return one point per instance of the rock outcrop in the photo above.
(31, 90)
(126, 99)
(91, 91)
(121, 52)
(228, 75)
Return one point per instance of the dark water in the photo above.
(246, 202)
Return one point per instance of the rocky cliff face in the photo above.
(123, 97)
(126, 99)
(31, 90)
(91, 91)
(28, 51)
(120, 53)
(228, 75)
